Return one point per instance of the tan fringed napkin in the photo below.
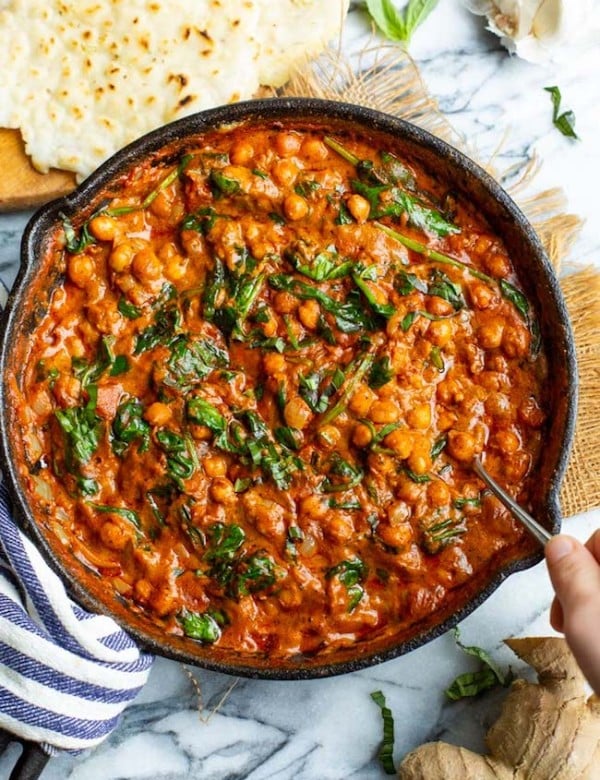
(391, 83)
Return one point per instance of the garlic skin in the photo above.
(541, 30)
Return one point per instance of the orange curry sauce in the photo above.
(252, 404)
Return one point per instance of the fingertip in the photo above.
(559, 547)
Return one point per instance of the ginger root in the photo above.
(547, 730)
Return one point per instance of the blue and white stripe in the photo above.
(66, 674)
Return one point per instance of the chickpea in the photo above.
(287, 144)
(498, 265)
(490, 334)
(498, 405)
(440, 332)
(201, 432)
(482, 244)
(399, 513)
(339, 526)
(482, 295)
(419, 416)
(314, 149)
(438, 306)
(309, 313)
(297, 413)
(445, 420)
(507, 442)
(384, 412)
(222, 491)
(359, 208)
(361, 435)
(329, 436)
(274, 363)
(241, 152)
(158, 413)
(66, 390)
(215, 466)
(400, 535)
(515, 341)
(284, 303)
(461, 445)
(410, 491)
(238, 173)
(269, 328)
(295, 207)
(114, 535)
(361, 400)
(121, 257)
(175, 268)
(313, 507)
(81, 270)
(401, 441)
(285, 172)
(103, 227)
(419, 462)
(146, 265)
(439, 493)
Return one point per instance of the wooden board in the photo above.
(21, 186)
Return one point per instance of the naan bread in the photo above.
(82, 79)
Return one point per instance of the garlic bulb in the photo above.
(541, 30)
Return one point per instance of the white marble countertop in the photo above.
(330, 728)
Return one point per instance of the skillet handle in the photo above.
(32, 761)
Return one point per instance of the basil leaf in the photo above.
(74, 244)
(350, 475)
(440, 535)
(119, 366)
(406, 283)
(564, 122)
(397, 25)
(350, 573)
(202, 220)
(289, 437)
(443, 287)
(254, 573)
(438, 446)
(386, 751)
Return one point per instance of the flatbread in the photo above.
(82, 79)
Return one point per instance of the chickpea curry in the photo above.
(253, 401)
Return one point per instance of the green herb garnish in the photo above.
(489, 675)
(350, 573)
(564, 122)
(386, 751)
(400, 25)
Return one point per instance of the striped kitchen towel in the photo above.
(66, 674)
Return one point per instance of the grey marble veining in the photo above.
(330, 729)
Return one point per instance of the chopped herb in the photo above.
(310, 388)
(260, 174)
(254, 573)
(418, 478)
(441, 534)
(355, 375)
(168, 180)
(324, 267)
(202, 220)
(405, 283)
(438, 446)
(436, 359)
(82, 428)
(350, 476)
(277, 218)
(128, 310)
(119, 366)
(351, 573)
(290, 437)
(488, 676)
(164, 330)
(516, 297)
(240, 485)
(74, 244)
(343, 217)
(461, 502)
(306, 188)
(386, 751)
(348, 505)
(442, 286)
(90, 373)
(191, 361)
(385, 310)
(180, 455)
(564, 122)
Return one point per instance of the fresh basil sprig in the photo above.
(565, 122)
(386, 751)
(399, 25)
(489, 675)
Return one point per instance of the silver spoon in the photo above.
(517, 511)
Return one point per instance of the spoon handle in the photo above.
(532, 525)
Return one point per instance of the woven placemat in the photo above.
(385, 78)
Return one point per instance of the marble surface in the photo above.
(330, 728)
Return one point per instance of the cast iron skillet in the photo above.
(30, 297)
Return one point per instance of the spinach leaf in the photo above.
(405, 283)
(381, 372)
(516, 297)
(310, 388)
(201, 626)
(436, 359)
(90, 373)
(191, 361)
(254, 573)
(223, 185)
(462, 502)
(164, 330)
(290, 437)
(564, 122)
(214, 285)
(181, 461)
(202, 412)
(126, 514)
(442, 286)
(202, 220)
(324, 267)
(129, 426)
(396, 171)
(82, 429)
(385, 310)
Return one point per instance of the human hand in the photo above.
(575, 573)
